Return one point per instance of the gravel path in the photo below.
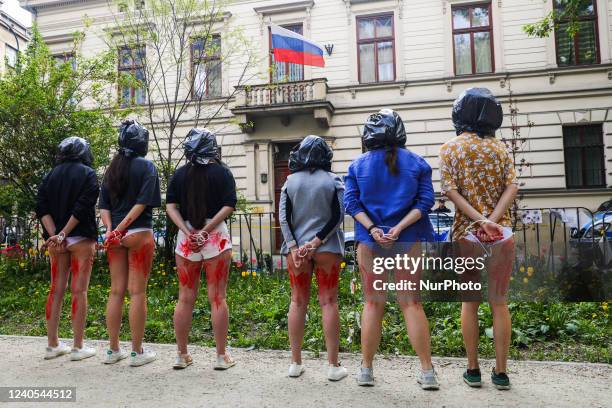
(260, 380)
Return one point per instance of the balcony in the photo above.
(283, 100)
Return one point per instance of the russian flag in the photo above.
(295, 48)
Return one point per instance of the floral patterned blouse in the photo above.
(479, 169)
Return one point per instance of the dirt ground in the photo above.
(260, 380)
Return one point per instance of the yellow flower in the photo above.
(522, 269)
(243, 274)
(46, 253)
(530, 270)
(343, 264)
(594, 315)
(174, 268)
(525, 280)
(22, 264)
(254, 274)
(604, 305)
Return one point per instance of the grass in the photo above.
(258, 316)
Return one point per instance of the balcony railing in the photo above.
(283, 99)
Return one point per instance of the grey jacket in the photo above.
(311, 205)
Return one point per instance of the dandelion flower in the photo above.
(254, 273)
(530, 270)
(343, 264)
(243, 274)
(525, 280)
(522, 269)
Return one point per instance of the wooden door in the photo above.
(281, 171)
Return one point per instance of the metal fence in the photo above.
(553, 235)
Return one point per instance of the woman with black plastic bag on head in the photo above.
(311, 215)
(66, 205)
(478, 176)
(129, 193)
(389, 194)
(200, 197)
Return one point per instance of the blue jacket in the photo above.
(387, 198)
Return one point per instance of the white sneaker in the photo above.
(336, 373)
(182, 361)
(53, 352)
(113, 357)
(224, 362)
(139, 359)
(78, 354)
(295, 370)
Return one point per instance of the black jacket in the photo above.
(71, 188)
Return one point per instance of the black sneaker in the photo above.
(500, 380)
(471, 376)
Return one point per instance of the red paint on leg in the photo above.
(74, 307)
(216, 277)
(51, 294)
(141, 258)
(327, 281)
(188, 275)
(298, 281)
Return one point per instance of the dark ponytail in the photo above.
(391, 160)
(117, 177)
(197, 191)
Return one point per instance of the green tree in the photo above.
(44, 99)
(566, 11)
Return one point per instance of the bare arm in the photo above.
(131, 216)
(70, 225)
(105, 215)
(464, 206)
(177, 218)
(49, 224)
(504, 202)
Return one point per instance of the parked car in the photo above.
(606, 206)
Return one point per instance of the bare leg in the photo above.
(469, 329)
(327, 270)
(60, 269)
(300, 280)
(374, 308)
(189, 286)
(217, 273)
(118, 265)
(499, 269)
(82, 255)
(414, 315)
(140, 259)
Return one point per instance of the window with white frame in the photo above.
(376, 48)
(132, 75)
(206, 66)
(10, 54)
(472, 38)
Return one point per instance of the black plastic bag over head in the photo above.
(477, 110)
(384, 129)
(312, 153)
(201, 146)
(74, 148)
(133, 139)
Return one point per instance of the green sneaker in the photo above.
(471, 376)
(500, 380)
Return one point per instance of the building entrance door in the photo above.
(281, 171)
